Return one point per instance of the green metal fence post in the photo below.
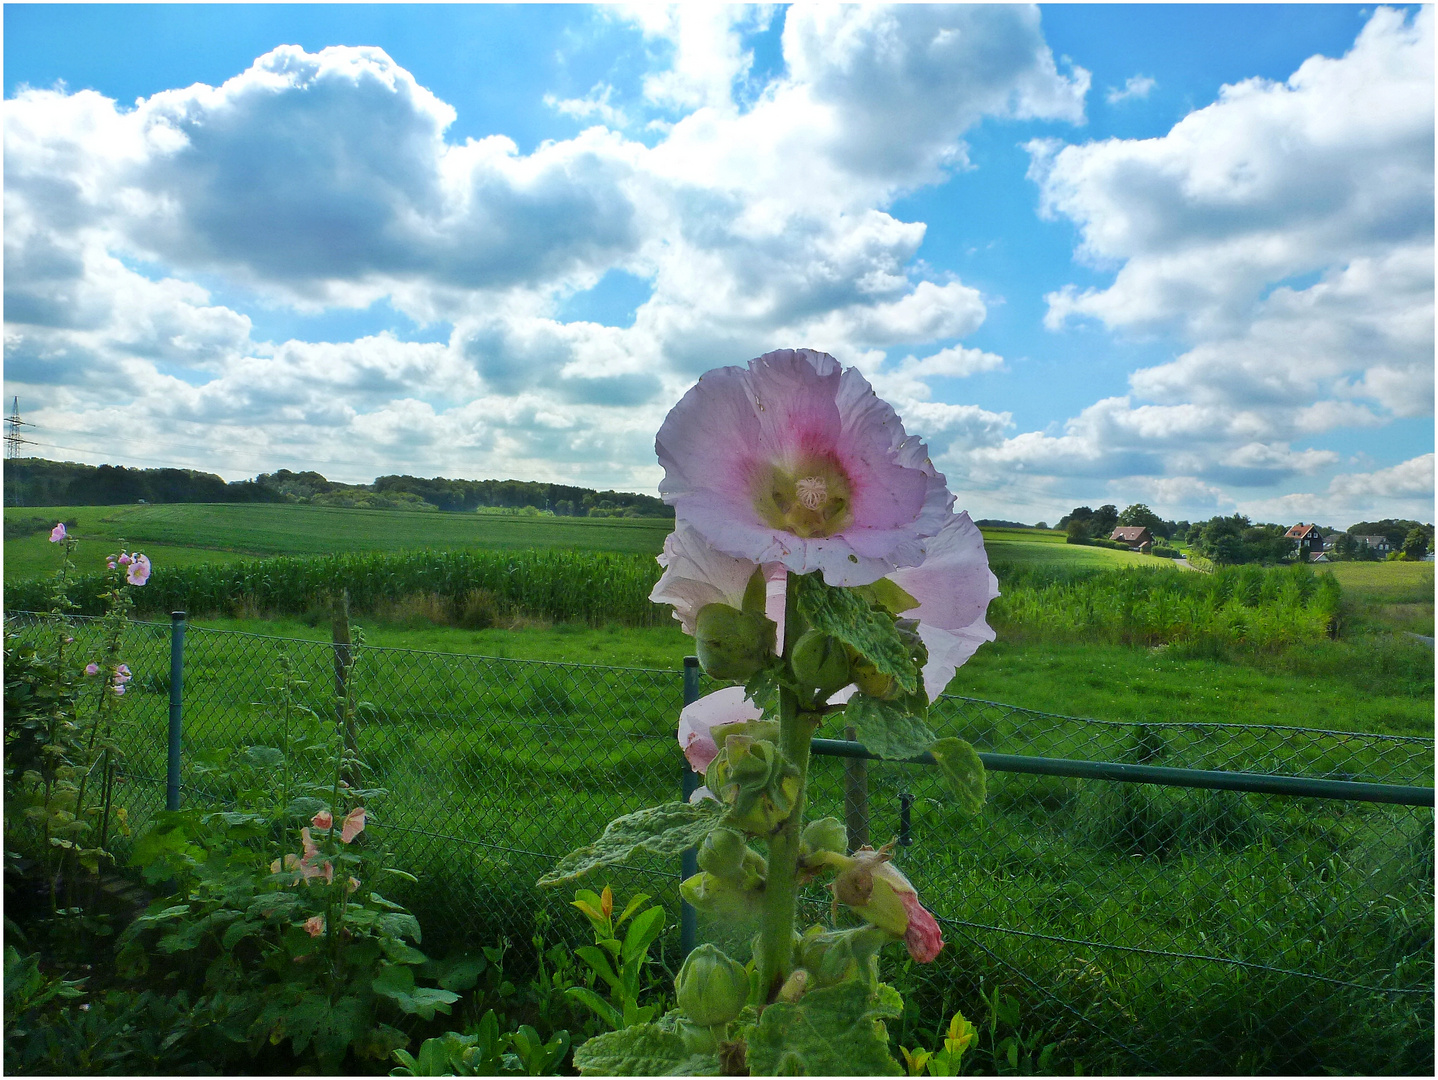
(177, 674)
(689, 783)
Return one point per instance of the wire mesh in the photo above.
(1146, 929)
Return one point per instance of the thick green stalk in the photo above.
(781, 890)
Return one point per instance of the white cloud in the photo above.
(1404, 490)
(1137, 86)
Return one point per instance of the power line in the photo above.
(13, 439)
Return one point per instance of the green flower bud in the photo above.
(753, 778)
(821, 662)
(870, 680)
(835, 956)
(720, 899)
(732, 644)
(725, 854)
(711, 988)
(826, 834)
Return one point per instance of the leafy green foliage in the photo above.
(655, 1049)
(486, 1051)
(870, 632)
(619, 964)
(963, 771)
(896, 730)
(661, 830)
(836, 1031)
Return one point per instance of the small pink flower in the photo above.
(139, 571)
(57, 534)
(124, 560)
(92, 668)
(794, 460)
(353, 825)
(315, 925)
(119, 689)
(699, 718)
(110, 563)
(323, 820)
(123, 672)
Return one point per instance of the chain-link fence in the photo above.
(1142, 928)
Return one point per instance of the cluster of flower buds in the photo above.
(137, 566)
(730, 882)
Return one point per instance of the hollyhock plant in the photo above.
(796, 461)
(817, 562)
(57, 534)
(352, 825)
(139, 570)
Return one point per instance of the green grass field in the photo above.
(185, 534)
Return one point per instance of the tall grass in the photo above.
(581, 586)
(1267, 608)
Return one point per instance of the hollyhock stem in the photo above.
(781, 891)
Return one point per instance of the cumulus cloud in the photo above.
(1137, 86)
(1404, 490)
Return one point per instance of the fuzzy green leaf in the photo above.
(888, 595)
(896, 730)
(844, 614)
(662, 830)
(396, 982)
(836, 1031)
(644, 1050)
(963, 771)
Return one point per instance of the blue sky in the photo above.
(1092, 253)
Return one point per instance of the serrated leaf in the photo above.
(763, 690)
(836, 1031)
(963, 771)
(895, 730)
(643, 1050)
(665, 830)
(846, 615)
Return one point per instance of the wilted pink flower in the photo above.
(315, 925)
(353, 825)
(57, 534)
(954, 586)
(796, 461)
(699, 718)
(311, 849)
(92, 668)
(139, 571)
(323, 820)
(352, 885)
(696, 574)
(122, 672)
(879, 892)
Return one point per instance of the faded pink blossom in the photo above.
(954, 587)
(699, 718)
(119, 688)
(923, 937)
(701, 793)
(315, 925)
(139, 571)
(352, 885)
(110, 563)
(794, 460)
(124, 560)
(878, 892)
(323, 820)
(92, 668)
(311, 849)
(57, 534)
(696, 574)
(352, 825)
(122, 672)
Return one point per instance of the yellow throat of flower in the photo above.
(814, 499)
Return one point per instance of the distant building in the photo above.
(1135, 536)
(1380, 544)
(1308, 541)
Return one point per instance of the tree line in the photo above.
(39, 482)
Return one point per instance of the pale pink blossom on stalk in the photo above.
(92, 668)
(123, 672)
(323, 820)
(57, 534)
(110, 563)
(699, 718)
(119, 689)
(954, 587)
(795, 460)
(352, 825)
(139, 571)
(124, 560)
(315, 925)
(696, 574)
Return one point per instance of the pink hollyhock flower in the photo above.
(796, 461)
(352, 825)
(323, 820)
(878, 892)
(310, 848)
(315, 925)
(139, 571)
(954, 587)
(92, 668)
(352, 885)
(122, 672)
(57, 534)
(696, 574)
(124, 560)
(119, 689)
(699, 718)
(110, 563)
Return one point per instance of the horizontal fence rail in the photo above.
(1209, 779)
(1171, 897)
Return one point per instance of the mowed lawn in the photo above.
(185, 534)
